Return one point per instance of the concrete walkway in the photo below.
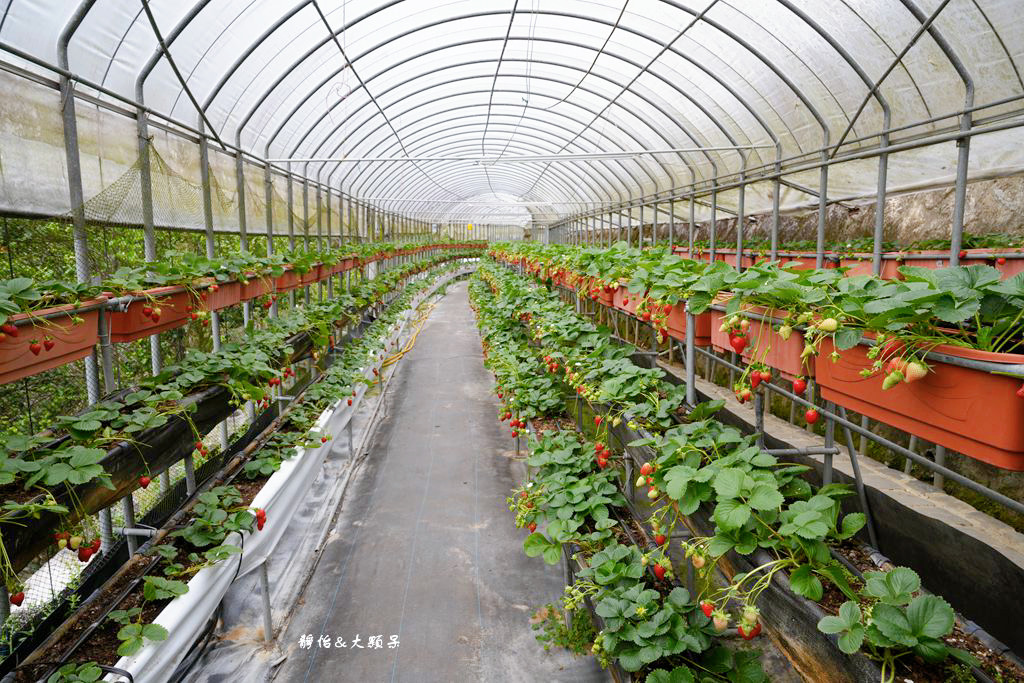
(424, 552)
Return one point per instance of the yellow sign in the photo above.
(469, 227)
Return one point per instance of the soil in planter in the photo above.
(89, 614)
(914, 668)
(554, 424)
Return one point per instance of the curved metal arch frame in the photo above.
(611, 189)
(668, 173)
(952, 56)
(565, 188)
(360, 124)
(445, 67)
(570, 15)
(530, 136)
(624, 168)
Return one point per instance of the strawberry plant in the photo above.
(890, 621)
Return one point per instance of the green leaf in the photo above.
(680, 674)
(765, 497)
(731, 514)
(929, 616)
(847, 338)
(805, 583)
(852, 523)
(892, 622)
(729, 482)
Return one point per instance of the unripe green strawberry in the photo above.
(892, 379)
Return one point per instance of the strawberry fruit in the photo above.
(144, 481)
(18, 598)
(811, 416)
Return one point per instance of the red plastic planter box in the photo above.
(227, 294)
(970, 411)
(676, 323)
(255, 287)
(290, 279)
(764, 345)
(624, 300)
(71, 341)
(174, 304)
(861, 264)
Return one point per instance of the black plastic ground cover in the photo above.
(977, 579)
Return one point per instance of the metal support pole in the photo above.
(691, 351)
(713, 228)
(739, 223)
(830, 440)
(938, 481)
(776, 198)
(671, 223)
(79, 235)
(859, 482)
(819, 259)
(128, 510)
(692, 227)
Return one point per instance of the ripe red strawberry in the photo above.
(667, 309)
(597, 420)
(10, 329)
(646, 316)
(522, 494)
(267, 304)
(200, 446)
(96, 544)
(1001, 260)
(659, 571)
(18, 598)
(532, 527)
(811, 416)
(647, 469)
(962, 254)
(147, 311)
(501, 395)
(144, 481)
(48, 344)
(350, 401)
(660, 539)
(738, 344)
(755, 379)
(155, 316)
(35, 347)
(707, 608)
(752, 633)
(323, 439)
(625, 300)
(193, 316)
(259, 524)
(84, 553)
(799, 385)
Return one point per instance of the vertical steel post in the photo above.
(128, 511)
(75, 192)
(819, 258)
(714, 216)
(776, 198)
(740, 218)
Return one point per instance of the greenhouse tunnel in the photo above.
(668, 341)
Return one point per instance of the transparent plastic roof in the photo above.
(506, 78)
